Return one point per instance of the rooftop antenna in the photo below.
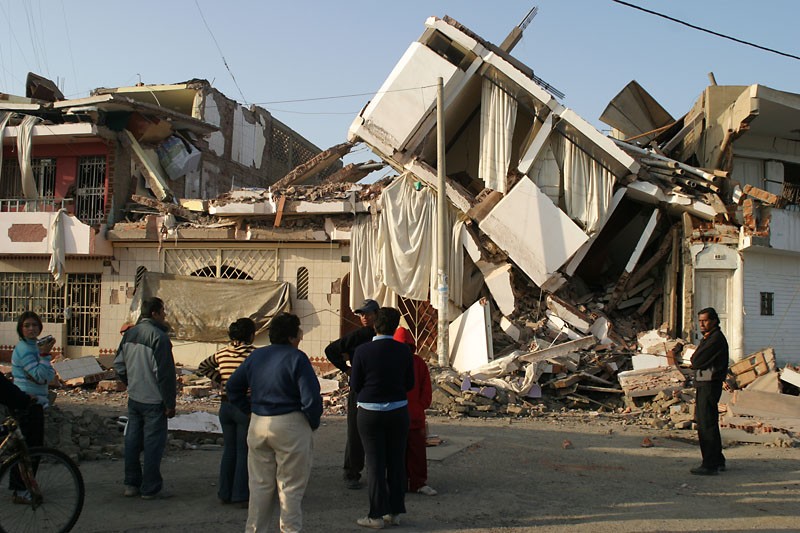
(516, 32)
(515, 36)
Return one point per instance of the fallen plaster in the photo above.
(471, 338)
(199, 421)
(536, 234)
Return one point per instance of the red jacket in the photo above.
(419, 398)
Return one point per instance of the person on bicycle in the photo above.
(12, 396)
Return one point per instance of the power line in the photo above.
(342, 96)
(275, 110)
(734, 39)
(69, 45)
(220, 53)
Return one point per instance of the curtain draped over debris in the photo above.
(365, 277)
(4, 116)
(223, 301)
(24, 149)
(588, 186)
(405, 249)
(56, 266)
(498, 116)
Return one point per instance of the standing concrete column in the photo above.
(443, 341)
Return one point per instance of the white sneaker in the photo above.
(391, 519)
(373, 523)
(425, 490)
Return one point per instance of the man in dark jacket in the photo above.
(710, 363)
(144, 362)
(340, 353)
(12, 396)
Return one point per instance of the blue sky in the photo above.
(588, 49)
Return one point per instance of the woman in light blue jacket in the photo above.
(32, 371)
(30, 363)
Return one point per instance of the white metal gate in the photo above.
(233, 263)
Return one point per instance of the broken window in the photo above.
(77, 302)
(90, 189)
(767, 303)
(302, 283)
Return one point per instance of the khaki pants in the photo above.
(279, 460)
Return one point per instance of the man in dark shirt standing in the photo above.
(710, 363)
(340, 353)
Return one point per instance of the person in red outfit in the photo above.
(419, 399)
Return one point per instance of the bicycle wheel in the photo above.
(60, 485)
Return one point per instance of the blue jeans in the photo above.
(146, 432)
(233, 481)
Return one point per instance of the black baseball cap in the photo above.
(369, 306)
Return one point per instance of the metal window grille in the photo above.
(767, 303)
(140, 272)
(302, 283)
(223, 263)
(422, 319)
(44, 173)
(90, 190)
(20, 291)
(83, 301)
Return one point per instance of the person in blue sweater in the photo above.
(30, 363)
(382, 374)
(286, 407)
(32, 372)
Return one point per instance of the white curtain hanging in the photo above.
(498, 116)
(406, 238)
(365, 278)
(24, 149)
(56, 266)
(588, 186)
(4, 117)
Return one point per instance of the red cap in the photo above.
(403, 335)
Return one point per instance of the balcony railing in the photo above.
(22, 205)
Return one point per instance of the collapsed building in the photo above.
(566, 245)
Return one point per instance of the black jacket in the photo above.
(12, 396)
(383, 371)
(340, 352)
(710, 359)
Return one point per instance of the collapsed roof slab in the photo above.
(651, 193)
(268, 207)
(536, 235)
(396, 111)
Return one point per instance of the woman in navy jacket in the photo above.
(382, 373)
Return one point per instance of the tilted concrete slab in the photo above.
(536, 234)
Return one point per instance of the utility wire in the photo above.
(734, 39)
(69, 46)
(244, 100)
(342, 96)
